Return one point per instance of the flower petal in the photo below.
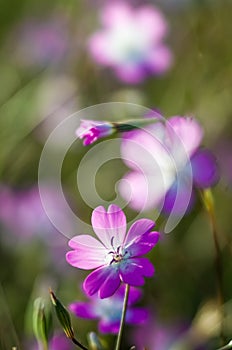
(109, 226)
(138, 228)
(143, 244)
(134, 269)
(179, 202)
(136, 315)
(106, 326)
(88, 252)
(143, 191)
(204, 168)
(110, 285)
(105, 280)
(185, 130)
(83, 309)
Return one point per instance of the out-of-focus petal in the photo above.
(116, 14)
(160, 59)
(144, 192)
(138, 228)
(109, 327)
(98, 47)
(83, 309)
(152, 23)
(136, 315)
(204, 168)
(130, 73)
(109, 226)
(187, 131)
(179, 204)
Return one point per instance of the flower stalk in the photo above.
(123, 317)
(208, 202)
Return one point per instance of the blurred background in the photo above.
(48, 72)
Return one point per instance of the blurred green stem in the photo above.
(207, 198)
(125, 302)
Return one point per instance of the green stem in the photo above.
(125, 302)
(207, 198)
(76, 342)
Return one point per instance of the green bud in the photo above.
(40, 322)
(63, 316)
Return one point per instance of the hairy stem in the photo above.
(125, 302)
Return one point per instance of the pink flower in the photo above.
(109, 310)
(90, 131)
(166, 162)
(117, 256)
(131, 42)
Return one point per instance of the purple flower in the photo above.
(131, 42)
(117, 256)
(90, 131)
(109, 310)
(57, 342)
(166, 161)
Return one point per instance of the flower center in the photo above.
(116, 254)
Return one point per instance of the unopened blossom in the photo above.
(108, 311)
(131, 41)
(166, 162)
(116, 256)
(91, 131)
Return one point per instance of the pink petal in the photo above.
(138, 228)
(159, 59)
(115, 14)
(88, 254)
(152, 23)
(144, 192)
(110, 285)
(186, 133)
(146, 150)
(106, 326)
(130, 73)
(98, 46)
(109, 226)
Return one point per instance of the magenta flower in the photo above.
(117, 256)
(166, 163)
(131, 42)
(90, 131)
(109, 310)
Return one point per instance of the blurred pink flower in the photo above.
(166, 162)
(131, 42)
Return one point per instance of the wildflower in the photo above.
(131, 42)
(90, 131)
(166, 162)
(117, 256)
(109, 310)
